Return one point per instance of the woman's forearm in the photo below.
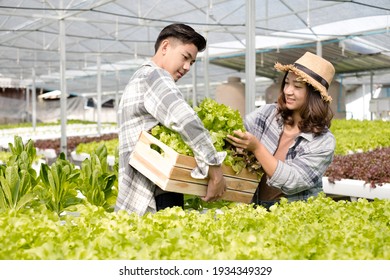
(265, 158)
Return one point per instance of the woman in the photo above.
(291, 138)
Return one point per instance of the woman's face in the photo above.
(295, 91)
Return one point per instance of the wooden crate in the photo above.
(171, 171)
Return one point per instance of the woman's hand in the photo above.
(244, 140)
(248, 141)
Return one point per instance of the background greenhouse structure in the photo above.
(81, 53)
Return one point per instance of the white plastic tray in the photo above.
(356, 188)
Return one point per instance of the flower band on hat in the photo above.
(314, 70)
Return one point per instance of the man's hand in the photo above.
(216, 185)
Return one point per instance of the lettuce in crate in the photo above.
(220, 120)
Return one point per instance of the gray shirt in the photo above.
(300, 175)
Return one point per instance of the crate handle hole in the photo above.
(157, 148)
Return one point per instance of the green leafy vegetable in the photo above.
(17, 177)
(16, 188)
(220, 120)
(97, 180)
(319, 229)
(58, 187)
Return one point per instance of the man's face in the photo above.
(178, 57)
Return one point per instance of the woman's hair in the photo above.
(183, 33)
(316, 114)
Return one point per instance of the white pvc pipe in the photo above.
(194, 84)
(34, 101)
(99, 94)
(62, 45)
(250, 57)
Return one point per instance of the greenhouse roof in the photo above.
(117, 35)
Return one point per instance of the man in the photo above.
(152, 97)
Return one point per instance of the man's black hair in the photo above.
(183, 33)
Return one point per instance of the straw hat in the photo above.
(313, 70)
